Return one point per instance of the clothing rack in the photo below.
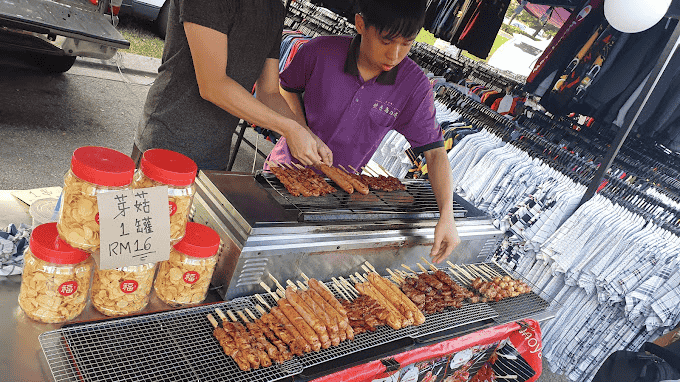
(315, 21)
(581, 166)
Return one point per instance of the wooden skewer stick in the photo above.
(304, 276)
(462, 271)
(407, 268)
(457, 275)
(262, 300)
(288, 282)
(299, 166)
(383, 169)
(483, 271)
(493, 271)
(353, 169)
(354, 280)
(365, 268)
(509, 376)
(422, 268)
(261, 310)
(266, 287)
(251, 314)
(221, 314)
(401, 273)
(370, 266)
(278, 285)
(243, 316)
(301, 285)
(360, 277)
(397, 278)
(349, 286)
(432, 266)
(212, 320)
(232, 316)
(369, 171)
(340, 292)
(343, 168)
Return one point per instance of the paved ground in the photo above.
(43, 118)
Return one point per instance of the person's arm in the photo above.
(272, 95)
(209, 54)
(445, 233)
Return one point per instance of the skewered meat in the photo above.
(381, 183)
(303, 182)
(230, 348)
(394, 319)
(310, 318)
(295, 343)
(305, 331)
(322, 317)
(243, 344)
(334, 174)
(407, 307)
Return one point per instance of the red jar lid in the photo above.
(168, 167)
(102, 166)
(46, 245)
(199, 241)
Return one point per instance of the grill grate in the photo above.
(417, 202)
(170, 346)
(513, 308)
(453, 318)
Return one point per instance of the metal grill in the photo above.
(513, 308)
(171, 346)
(417, 202)
(453, 318)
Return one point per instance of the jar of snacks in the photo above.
(122, 291)
(93, 170)
(160, 167)
(185, 277)
(56, 277)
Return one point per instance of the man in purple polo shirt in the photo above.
(357, 89)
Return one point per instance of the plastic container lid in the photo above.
(42, 211)
(168, 167)
(199, 241)
(46, 245)
(102, 166)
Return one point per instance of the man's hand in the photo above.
(303, 146)
(324, 152)
(445, 238)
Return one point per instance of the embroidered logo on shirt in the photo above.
(387, 108)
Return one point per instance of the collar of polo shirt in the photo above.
(385, 78)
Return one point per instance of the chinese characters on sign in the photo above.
(135, 227)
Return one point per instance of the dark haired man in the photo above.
(215, 50)
(357, 89)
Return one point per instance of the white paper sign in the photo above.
(134, 227)
(30, 196)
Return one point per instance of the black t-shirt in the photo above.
(175, 116)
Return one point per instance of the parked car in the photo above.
(518, 55)
(154, 10)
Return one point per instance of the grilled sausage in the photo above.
(300, 324)
(305, 312)
(336, 177)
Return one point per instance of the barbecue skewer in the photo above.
(370, 266)
(260, 344)
(482, 271)
(304, 276)
(262, 300)
(241, 341)
(340, 292)
(370, 171)
(365, 268)
(398, 279)
(301, 285)
(291, 284)
(268, 289)
(429, 264)
(349, 286)
(360, 277)
(422, 268)
(408, 268)
(278, 285)
(228, 344)
(353, 169)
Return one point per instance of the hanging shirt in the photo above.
(351, 115)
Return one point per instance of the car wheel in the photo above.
(162, 19)
(53, 64)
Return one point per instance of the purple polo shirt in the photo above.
(351, 115)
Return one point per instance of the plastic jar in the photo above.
(56, 277)
(93, 170)
(160, 167)
(122, 291)
(184, 278)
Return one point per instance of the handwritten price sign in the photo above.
(134, 227)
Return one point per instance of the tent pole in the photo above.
(628, 124)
